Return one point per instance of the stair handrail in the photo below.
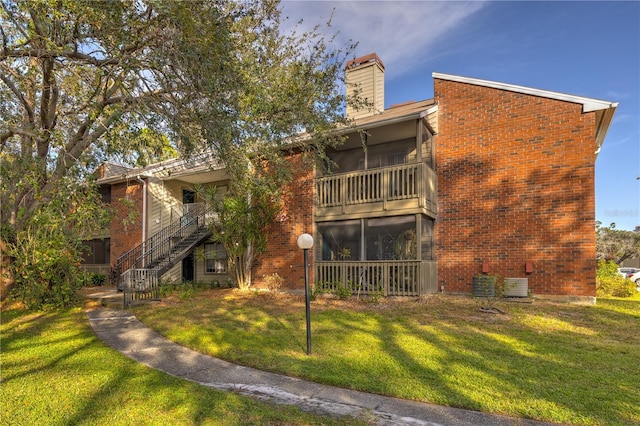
(159, 244)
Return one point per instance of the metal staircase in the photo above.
(140, 269)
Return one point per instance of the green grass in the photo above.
(546, 361)
(56, 371)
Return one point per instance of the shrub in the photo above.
(50, 282)
(98, 279)
(93, 279)
(187, 290)
(376, 296)
(610, 283)
(168, 287)
(343, 292)
(274, 283)
(45, 267)
(46, 248)
(315, 291)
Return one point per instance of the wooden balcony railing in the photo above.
(389, 277)
(388, 186)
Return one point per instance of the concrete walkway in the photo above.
(122, 331)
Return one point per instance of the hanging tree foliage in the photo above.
(616, 245)
(83, 81)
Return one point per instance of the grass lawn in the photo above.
(547, 361)
(54, 370)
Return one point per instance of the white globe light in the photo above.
(305, 241)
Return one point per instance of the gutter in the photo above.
(604, 119)
(144, 217)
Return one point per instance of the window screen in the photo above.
(97, 252)
(391, 238)
(215, 259)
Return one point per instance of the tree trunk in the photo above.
(6, 275)
(240, 269)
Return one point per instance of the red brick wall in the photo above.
(515, 185)
(126, 225)
(282, 255)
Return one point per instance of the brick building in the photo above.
(485, 177)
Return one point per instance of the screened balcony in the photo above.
(375, 213)
(390, 256)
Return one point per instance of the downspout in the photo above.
(144, 218)
(248, 260)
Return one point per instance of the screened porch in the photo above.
(391, 256)
(386, 278)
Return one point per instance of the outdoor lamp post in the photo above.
(305, 242)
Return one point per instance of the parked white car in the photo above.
(627, 272)
(635, 277)
(632, 274)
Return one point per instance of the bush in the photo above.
(274, 283)
(46, 248)
(50, 280)
(45, 266)
(98, 279)
(92, 279)
(610, 283)
(343, 292)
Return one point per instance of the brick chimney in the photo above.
(365, 74)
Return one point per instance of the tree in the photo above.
(79, 78)
(242, 218)
(610, 283)
(616, 244)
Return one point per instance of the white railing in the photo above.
(388, 278)
(140, 284)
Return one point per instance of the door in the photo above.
(188, 198)
(188, 269)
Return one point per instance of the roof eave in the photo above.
(604, 109)
(387, 121)
(604, 119)
(588, 104)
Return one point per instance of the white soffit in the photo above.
(588, 104)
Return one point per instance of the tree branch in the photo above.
(13, 131)
(42, 53)
(18, 94)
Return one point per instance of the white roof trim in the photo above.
(588, 104)
(394, 120)
(176, 167)
(431, 110)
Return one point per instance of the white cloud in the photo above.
(618, 95)
(621, 118)
(402, 33)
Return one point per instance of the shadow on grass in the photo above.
(56, 371)
(553, 362)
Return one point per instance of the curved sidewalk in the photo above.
(122, 331)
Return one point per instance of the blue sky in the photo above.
(589, 49)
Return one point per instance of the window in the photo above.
(96, 252)
(388, 238)
(340, 240)
(105, 193)
(396, 158)
(428, 252)
(391, 238)
(215, 261)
